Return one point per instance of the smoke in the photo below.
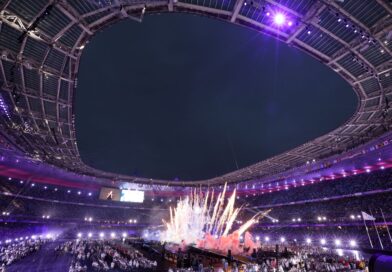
(209, 223)
(154, 218)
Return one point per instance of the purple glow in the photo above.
(4, 107)
(279, 19)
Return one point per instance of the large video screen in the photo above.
(110, 194)
(132, 196)
(113, 194)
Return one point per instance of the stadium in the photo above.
(320, 203)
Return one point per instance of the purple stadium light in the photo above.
(279, 19)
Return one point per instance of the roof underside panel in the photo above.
(255, 11)
(82, 7)
(64, 90)
(372, 102)
(35, 49)
(32, 79)
(63, 113)
(27, 10)
(371, 87)
(50, 108)
(365, 116)
(386, 79)
(376, 55)
(97, 16)
(351, 65)
(366, 11)
(9, 38)
(335, 25)
(320, 41)
(216, 4)
(53, 23)
(12, 74)
(300, 6)
(35, 104)
(67, 67)
(71, 36)
(55, 59)
(50, 85)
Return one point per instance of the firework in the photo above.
(200, 219)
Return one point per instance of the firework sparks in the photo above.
(198, 217)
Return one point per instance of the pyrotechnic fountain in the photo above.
(201, 220)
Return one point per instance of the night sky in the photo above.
(191, 97)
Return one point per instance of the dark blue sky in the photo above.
(191, 97)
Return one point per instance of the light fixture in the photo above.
(279, 19)
(353, 243)
(338, 242)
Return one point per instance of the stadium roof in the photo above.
(41, 43)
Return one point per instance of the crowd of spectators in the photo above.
(311, 261)
(301, 261)
(353, 184)
(63, 206)
(14, 251)
(100, 255)
(337, 210)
